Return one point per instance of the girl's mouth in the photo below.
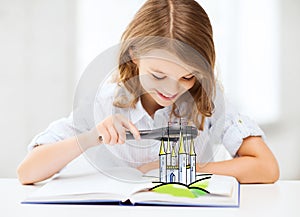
(166, 97)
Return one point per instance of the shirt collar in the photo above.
(139, 112)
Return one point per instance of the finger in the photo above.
(105, 136)
(132, 128)
(121, 141)
(122, 136)
(121, 133)
(113, 135)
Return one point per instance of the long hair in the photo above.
(183, 28)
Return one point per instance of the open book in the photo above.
(129, 186)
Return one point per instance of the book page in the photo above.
(118, 183)
(224, 191)
(221, 185)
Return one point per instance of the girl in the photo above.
(166, 70)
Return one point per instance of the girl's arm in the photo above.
(255, 163)
(47, 159)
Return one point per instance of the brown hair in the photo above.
(183, 27)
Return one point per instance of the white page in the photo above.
(221, 185)
(94, 182)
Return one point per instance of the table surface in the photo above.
(279, 199)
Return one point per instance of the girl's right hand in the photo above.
(112, 130)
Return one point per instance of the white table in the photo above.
(279, 199)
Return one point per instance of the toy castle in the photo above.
(177, 166)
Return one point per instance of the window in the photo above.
(247, 46)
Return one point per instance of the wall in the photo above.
(36, 72)
(284, 136)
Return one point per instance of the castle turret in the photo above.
(162, 163)
(168, 152)
(192, 162)
(182, 160)
(173, 157)
(172, 168)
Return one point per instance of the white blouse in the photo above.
(225, 128)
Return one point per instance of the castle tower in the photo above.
(173, 157)
(182, 160)
(162, 163)
(172, 168)
(187, 148)
(192, 162)
(168, 153)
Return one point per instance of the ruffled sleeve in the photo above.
(229, 126)
(237, 128)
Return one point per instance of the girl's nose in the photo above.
(172, 87)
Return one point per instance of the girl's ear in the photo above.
(133, 57)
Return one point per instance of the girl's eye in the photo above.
(188, 78)
(157, 77)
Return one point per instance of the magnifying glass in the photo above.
(171, 133)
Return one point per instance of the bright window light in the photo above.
(246, 35)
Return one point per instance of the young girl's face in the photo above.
(164, 77)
